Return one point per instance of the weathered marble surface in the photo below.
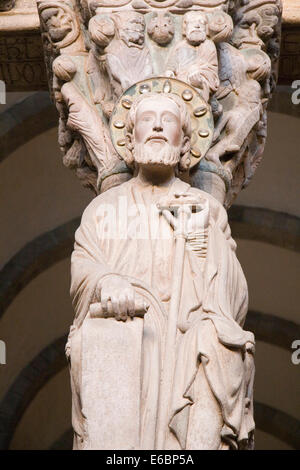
(162, 107)
(158, 356)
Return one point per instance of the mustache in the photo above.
(156, 136)
(197, 31)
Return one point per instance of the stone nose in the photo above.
(252, 30)
(157, 125)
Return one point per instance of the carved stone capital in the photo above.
(227, 51)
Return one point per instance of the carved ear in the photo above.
(185, 160)
(129, 141)
(128, 157)
(186, 145)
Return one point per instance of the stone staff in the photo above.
(183, 209)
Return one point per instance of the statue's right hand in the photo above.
(117, 290)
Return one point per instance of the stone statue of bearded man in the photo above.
(123, 284)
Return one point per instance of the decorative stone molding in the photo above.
(21, 62)
(33, 259)
(291, 12)
(21, 57)
(24, 24)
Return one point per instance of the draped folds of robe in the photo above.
(127, 65)
(122, 233)
(197, 65)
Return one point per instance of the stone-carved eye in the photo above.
(147, 118)
(169, 118)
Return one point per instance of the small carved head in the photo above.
(102, 30)
(195, 27)
(255, 26)
(161, 28)
(59, 24)
(158, 131)
(131, 28)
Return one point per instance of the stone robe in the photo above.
(127, 65)
(116, 366)
(197, 65)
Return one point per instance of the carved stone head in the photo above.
(131, 28)
(161, 28)
(158, 131)
(195, 27)
(60, 22)
(255, 26)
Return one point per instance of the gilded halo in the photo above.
(200, 112)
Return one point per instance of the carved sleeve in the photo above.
(88, 265)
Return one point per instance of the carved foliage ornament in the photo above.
(224, 51)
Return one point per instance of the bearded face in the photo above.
(151, 154)
(58, 22)
(158, 134)
(195, 30)
(245, 35)
(161, 29)
(134, 33)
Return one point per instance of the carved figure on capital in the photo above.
(161, 28)
(194, 59)
(127, 57)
